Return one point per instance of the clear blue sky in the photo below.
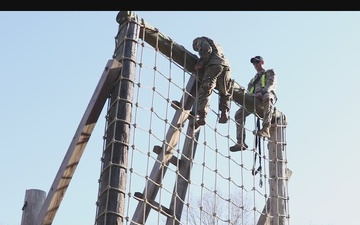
(52, 62)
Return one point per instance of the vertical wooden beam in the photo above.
(278, 176)
(113, 178)
(34, 200)
(264, 218)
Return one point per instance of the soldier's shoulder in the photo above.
(270, 72)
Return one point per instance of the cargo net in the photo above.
(168, 172)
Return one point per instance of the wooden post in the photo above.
(278, 174)
(113, 177)
(264, 218)
(34, 199)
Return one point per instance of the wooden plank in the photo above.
(78, 143)
(158, 150)
(155, 205)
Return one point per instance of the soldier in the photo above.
(216, 75)
(263, 87)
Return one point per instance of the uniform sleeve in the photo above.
(250, 84)
(205, 51)
(270, 81)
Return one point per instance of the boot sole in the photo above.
(262, 135)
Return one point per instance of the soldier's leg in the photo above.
(224, 107)
(240, 118)
(207, 86)
(268, 112)
(202, 105)
(223, 86)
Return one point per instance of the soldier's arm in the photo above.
(205, 51)
(270, 81)
(249, 85)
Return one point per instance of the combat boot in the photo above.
(224, 117)
(238, 147)
(264, 132)
(201, 119)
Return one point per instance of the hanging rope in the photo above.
(258, 153)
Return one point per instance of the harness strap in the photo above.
(254, 81)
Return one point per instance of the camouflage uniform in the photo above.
(268, 100)
(216, 76)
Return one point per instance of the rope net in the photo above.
(156, 167)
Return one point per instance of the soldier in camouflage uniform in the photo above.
(216, 75)
(263, 87)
